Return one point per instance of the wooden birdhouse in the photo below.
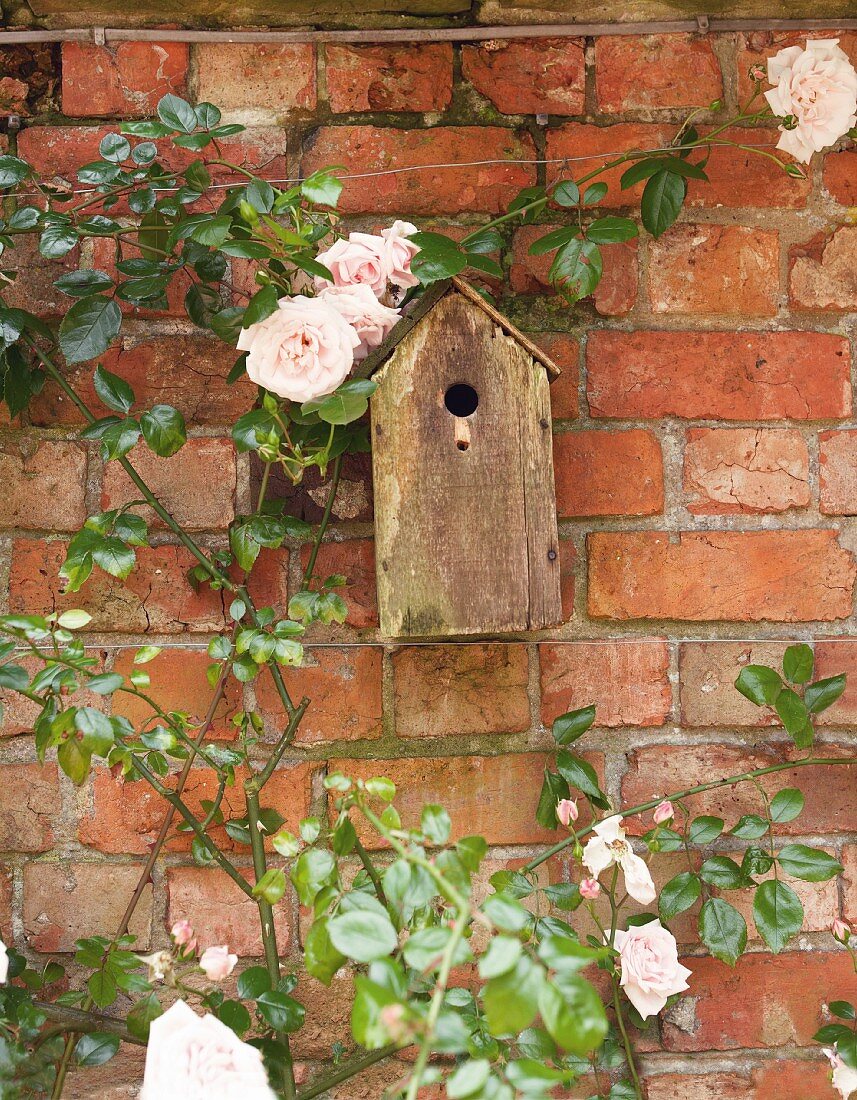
(465, 514)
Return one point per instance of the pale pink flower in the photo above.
(816, 90)
(304, 349)
(567, 811)
(182, 932)
(663, 812)
(651, 972)
(217, 962)
(4, 963)
(841, 930)
(399, 252)
(609, 846)
(380, 262)
(844, 1077)
(590, 888)
(370, 319)
(198, 1058)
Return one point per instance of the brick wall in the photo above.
(706, 472)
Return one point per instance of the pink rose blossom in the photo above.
(361, 309)
(182, 932)
(609, 846)
(651, 972)
(399, 252)
(663, 812)
(382, 263)
(816, 90)
(844, 1077)
(590, 888)
(198, 1058)
(303, 350)
(567, 811)
(841, 930)
(4, 963)
(217, 962)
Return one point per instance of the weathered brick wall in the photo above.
(706, 470)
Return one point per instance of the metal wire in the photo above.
(403, 643)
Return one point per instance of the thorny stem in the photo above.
(84, 1021)
(349, 1070)
(630, 1054)
(325, 520)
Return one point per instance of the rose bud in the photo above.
(664, 812)
(757, 73)
(841, 930)
(590, 888)
(217, 963)
(566, 811)
(182, 932)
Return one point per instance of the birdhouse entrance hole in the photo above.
(461, 399)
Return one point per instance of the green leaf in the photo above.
(792, 711)
(502, 954)
(506, 912)
(253, 982)
(271, 886)
(487, 240)
(582, 777)
(512, 1000)
(79, 284)
(554, 788)
(321, 188)
(436, 824)
(750, 827)
(843, 1010)
(568, 727)
(105, 683)
(141, 1015)
(164, 430)
(808, 864)
(347, 404)
(468, 1079)
(705, 829)
(679, 894)
(74, 620)
(57, 240)
(760, 684)
(723, 872)
(12, 171)
(824, 693)
(177, 114)
(281, 1011)
(553, 240)
(723, 930)
(363, 934)
(798, 663)
(611, 230)
(235, 1016)
(786, 805)
(662, 199)
(573, 1014)
(576, 269)
(438, 258)
(261, 305)
(102, 988)
(321, 958)
(74, 760)
(566, 193)
(113, 391)
(213, 231)
(114, 557)
(96, 1048)
(594, 194)
(114, 147)
(777, 912)
(89, 327)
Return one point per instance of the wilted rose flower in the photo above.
(361, 309)
(217, 962)
(817, 88)
(610, 846)
(841, 930)
(590, 888)
(663, 812)
(380, 262)
(198, 1058)
(844, 1077)
(160, 964)
(651, 971)
(567, 811)
(303, 350)
(4, 963)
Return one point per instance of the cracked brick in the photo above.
(745, 470)
(126, 80)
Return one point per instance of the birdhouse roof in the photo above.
(424, 304)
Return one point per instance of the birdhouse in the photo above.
(465, 513)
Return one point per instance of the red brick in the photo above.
(29, 807)
(179, 683)
(220, 912)
(106, 253)
(722, 269)
(588, 147)
(736, 576)
(565, 352)
(832, 656)
(838, 468)
(745, 470)
(45, 485)
(545, 77)
(32, 286)
(719, 375)
(268, 584)
(389, 78)
(307, 500)
(156, 596)
(604, 473)
(328, 1015)
(655, 71)
(459, 691)
(744, 178)
(344, 689)
(196, 485)
(773, 1001)
(771, 1081)
(127, 816)
(756, 47)
(666, 769)
(19, 713)
(355, 560)
(840, 176)
(487, 189)
(615, 295)
(188, 372)
(125, 80)
(66, 901)
(849, 882)
(112, 1081)
(232, 75)
(626, 679)
(820, 901)
(494, 796)
(823, 272)
(708, 671)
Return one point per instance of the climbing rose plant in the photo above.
(497, 996)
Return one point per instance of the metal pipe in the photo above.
(699, 25)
